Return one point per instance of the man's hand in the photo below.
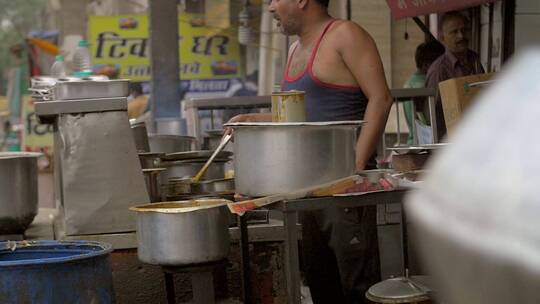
(252, 117)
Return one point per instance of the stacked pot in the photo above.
(182, 166)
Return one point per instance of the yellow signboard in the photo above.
(120, 48)
(37, 137)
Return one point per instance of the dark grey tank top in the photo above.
(325, 101)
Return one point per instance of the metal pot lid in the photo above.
(151, 154)
(398, 290)
(181, 206)
(196, 155)
(10, 155)
(356, 123)
(209, 181)
(416, 149)
(153, 170)
(199, 161)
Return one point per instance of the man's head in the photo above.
(455, 32)
(426, 53)
(290, 13)
(135, 89)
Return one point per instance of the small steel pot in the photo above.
(18, 191)
(183, 233)
(170, 143)
(213, 186)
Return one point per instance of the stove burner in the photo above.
(201, 281)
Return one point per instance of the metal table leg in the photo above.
(203, 288)
(292, 269)
(404, 242)
(169, 288)
(244, 259)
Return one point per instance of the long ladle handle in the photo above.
(224, 141)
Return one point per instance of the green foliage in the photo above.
(17, 19)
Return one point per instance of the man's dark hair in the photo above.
(323, 3)
(428, 52)
(452, 15)
(136, 87)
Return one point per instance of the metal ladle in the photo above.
(224, 141)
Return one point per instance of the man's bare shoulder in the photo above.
(349, 34)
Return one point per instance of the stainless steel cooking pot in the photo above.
(182, 233)
(189, 168)
(170, 143)
(18, 191)
(273, 158)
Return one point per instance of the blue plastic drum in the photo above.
(55, 272)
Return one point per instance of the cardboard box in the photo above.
(457, 95)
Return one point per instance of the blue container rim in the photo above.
(101, 249)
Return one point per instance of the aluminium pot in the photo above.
(170, 143)
(184, 232)
(18, 191)
(277, 158)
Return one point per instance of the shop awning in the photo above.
(411, 8)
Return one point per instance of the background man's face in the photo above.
(455, 35)
(286, 13)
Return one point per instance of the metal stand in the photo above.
(290, 210)
(201, 281)
(244, 260)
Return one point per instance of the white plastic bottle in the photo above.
(58, 68)
(81, 60)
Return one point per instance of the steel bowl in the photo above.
(183, 233)
(276, 158)
(18, 191)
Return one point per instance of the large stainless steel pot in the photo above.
(18, 191)
(272, 158)
(170, 143)
(182, 233)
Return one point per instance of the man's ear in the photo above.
(302, 3)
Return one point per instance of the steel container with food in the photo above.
(274, 158)
(183, 232)
(18, 191)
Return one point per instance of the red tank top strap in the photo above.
(286, 71)
(286, 75)
(316, 48)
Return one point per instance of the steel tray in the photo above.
(90, 89)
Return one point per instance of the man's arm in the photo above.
(361, 56)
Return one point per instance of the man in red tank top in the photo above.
(337, 63)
